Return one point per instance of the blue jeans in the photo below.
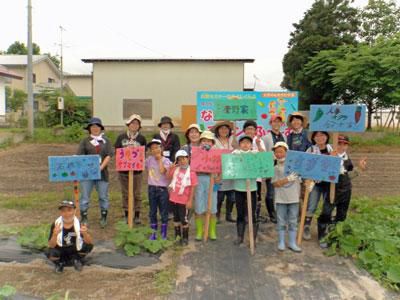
(201, 196)
(287, 216)
(86, 189)
(158, 198)
(315, 195)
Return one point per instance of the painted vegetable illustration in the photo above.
(318, 115)
(357, 114)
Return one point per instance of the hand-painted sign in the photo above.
(206, 161)
(75, 167)
(350, 118)
(235, 109)
(268, 104)
(247, 165)
(130, 158)
(313, 166)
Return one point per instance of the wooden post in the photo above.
(76, 197)
(250, 217)
(208, 213)
(335, 138)
(131, 200)
(303, 211)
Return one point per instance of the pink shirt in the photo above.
(184, 198)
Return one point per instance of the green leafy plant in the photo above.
(136, 240)
(371, 236)
(7, 291)
(34, 237)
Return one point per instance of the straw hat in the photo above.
(297, 114)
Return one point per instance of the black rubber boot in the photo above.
(240, 232)
(255, 231)
(58, 266)
(229, 208)
(218, 214)
(137, 218)
(103, 219)
(178, 234)
(84, 217)
(185, 236)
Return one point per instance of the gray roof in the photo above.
(15, 60)
(243, 60)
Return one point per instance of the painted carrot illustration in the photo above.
(357, 114)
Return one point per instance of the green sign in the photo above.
(226, 109)
(247, 165)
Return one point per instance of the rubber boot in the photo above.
(199, 229)
(185, 236)
(58, 266)
(126, 216)
(229, 208)
(84, 217)
(219, 205)
(164, 228)
(137, 218)
(178, 233)
(212, 233)
(240, 232)
(292, 241)
(322, 231)
(153, 236)
(307, 229)
(281, 240)
(103, 219)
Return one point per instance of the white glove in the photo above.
(293, 177)
(311, 185)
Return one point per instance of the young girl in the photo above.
(225, 139)
(287, 192)
(319, 146)
(131, 138)
(245, 146)
(95, 143)
(201, 204)
(181, 192)
(157, 167)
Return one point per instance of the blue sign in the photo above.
(281, 103)
(335, 117)
(313, 166)
(76, 167)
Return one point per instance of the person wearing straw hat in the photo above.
(207, 141)
(225, 139)
(169, 140)
(131, 138)
(69, 240)
(192, 135)
(95, 143)
(297, 139)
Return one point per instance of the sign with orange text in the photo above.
(207, 161)
(130, 158)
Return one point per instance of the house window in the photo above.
(33, 78)
(142, 107)
(50, 80)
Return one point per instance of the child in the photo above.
(96, 143)
(287, 192)
(201, 204)
(131, 138)
(157, 167)
(297, 139)
(320, 146)
(181, 192)
(245, 146)
(192, 136)
(169, 140)
(342, 190)
(69, 241)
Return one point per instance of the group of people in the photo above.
(173, 188)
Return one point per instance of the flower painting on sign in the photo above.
(75, 167)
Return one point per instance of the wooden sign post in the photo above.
(208, 213)
(250, 217)
(308, 184)
(130, 159)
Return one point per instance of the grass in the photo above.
(388, 139)
(164, 281)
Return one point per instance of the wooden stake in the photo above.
(332, 187)
(208, 213)
(131, 200)
(303, 211)
(250, 217)
(76, 197)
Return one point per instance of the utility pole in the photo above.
(61, 77)
(29, 75)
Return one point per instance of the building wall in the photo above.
(81, 86)
(168, 84)
(2, 98)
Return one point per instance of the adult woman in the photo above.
(192, 135)
(95, 143)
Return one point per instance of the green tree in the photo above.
(326, 25)
(379, 18)
(54, 59)
(15, 99)
(20, 48)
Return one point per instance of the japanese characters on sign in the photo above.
(235, 109)
(75, 167)
(130, 158)
(207, 161)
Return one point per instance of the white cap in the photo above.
(280, 144)
(181, 153)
